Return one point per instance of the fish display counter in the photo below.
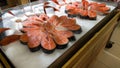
(41, 35)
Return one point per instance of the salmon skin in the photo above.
(47, 5)
(24, 39)
(71, 10)
(34, 40)
(46, 33)
(47, 44)
(83, 14)
(9, 39)
(67, 34)
(2, 33)
(100, 8)
(85, 4)
(46, 36)
(65, 23)
(55, 9)
(60, 40)
(86, 10)
(55, 1)
(3, 30)
(75, 29)
(92, 15)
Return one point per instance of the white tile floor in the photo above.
(110, 58)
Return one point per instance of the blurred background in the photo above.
(11, 3)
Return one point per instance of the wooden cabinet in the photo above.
(12, 3)
(91, 49)
(21, 2)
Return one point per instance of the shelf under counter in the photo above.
(59, 57)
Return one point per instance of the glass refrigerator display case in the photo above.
(18, 55)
